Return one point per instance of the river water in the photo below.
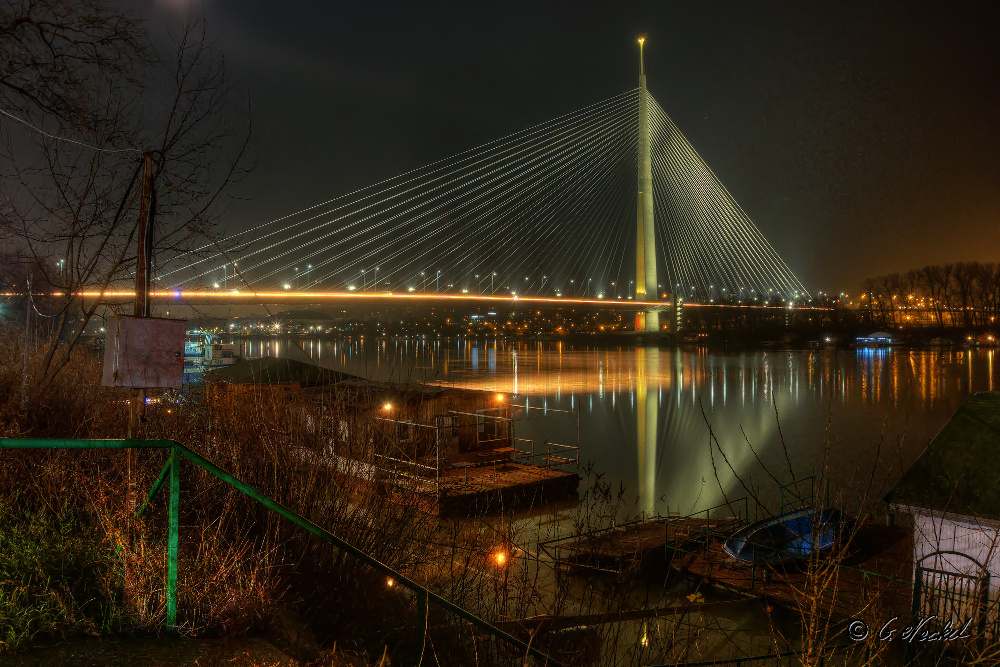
(685, 428)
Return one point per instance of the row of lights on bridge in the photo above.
(599, 295)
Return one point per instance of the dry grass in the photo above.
(241, 565)
(246, 570)
(243, 568)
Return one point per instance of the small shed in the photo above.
(951, 495)
(276, 370)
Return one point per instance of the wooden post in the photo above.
(144, 256)
(27, 330)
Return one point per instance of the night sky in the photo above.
(861, 138)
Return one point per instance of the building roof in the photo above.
(959, 472)
(268, 370)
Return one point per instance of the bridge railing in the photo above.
(170, 476)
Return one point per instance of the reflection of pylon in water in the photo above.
(646, 416)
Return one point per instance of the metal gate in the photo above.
(958, 594)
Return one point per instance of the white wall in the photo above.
(968, 535)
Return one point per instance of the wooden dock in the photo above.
(877, 575)
(632, 545)
(501, 486)
(480, 488)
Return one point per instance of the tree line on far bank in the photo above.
(963, 294)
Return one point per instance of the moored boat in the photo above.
(203, 352)
(788, 537)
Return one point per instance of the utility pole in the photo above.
(143, 265)
(27, 330)
(645, 261)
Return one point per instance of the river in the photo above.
(685, 428)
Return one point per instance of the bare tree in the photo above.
(93, 97)
(931, 282)
(962, 283)
(53, 49)
(965, 294)
(984, 279)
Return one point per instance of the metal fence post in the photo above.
(173, 535)
(178, 451)
(418, 649)
(918, 585)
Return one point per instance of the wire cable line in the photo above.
(538, 212)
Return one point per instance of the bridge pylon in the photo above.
(646, 287)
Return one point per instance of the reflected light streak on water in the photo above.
(656, 439)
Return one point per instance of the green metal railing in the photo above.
(171, 471)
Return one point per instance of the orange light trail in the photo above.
(362, 296)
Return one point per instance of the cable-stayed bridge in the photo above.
(610, 202)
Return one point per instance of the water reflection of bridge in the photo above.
(641, 409)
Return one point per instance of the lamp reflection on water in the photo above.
(645, 412)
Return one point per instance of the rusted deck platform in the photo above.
(491, 488)
(482, 489)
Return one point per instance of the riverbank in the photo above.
(232, 548)
(184, 652)
(787, 338)
(81, 562)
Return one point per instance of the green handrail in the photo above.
(171, 470)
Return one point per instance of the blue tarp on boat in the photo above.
(786, 537)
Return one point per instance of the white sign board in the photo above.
(144, 353)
